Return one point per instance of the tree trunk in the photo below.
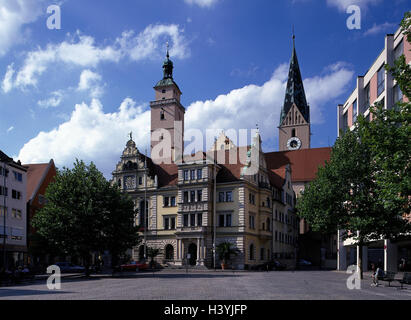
(359, 262)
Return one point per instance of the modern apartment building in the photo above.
(375, 86)
(13, 218)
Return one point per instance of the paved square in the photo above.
(207, 285)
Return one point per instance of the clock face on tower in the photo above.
(294, 143)
(130, 182)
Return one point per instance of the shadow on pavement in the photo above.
(13, 292)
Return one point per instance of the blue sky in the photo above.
(78, 91)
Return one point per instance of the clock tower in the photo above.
(294, 129)
(167, 118)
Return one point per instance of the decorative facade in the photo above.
(190, 204)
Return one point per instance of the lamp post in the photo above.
(215, 204)
(4, 217)
(145, 206)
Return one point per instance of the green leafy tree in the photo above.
(225, 250)
(366, 185)
(152, 253)
(86, 214)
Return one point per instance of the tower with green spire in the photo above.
(294, 129)
(167, 117)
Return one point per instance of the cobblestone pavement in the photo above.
(210, 285)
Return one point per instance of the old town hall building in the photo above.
(188, 205)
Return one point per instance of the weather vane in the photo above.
(131, 135)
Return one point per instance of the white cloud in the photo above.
(91, 134)
(82, 51)
(7, 84)
(378, 28)
(243, 108)
(151, 43)
(14, 15)
(342, 5)
(202, 3)
(90, 81)
(54, 100)
(10, 129)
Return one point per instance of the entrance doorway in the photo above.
(192, 250)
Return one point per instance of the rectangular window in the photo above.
(399, 50)
(276, 236)
(166, 223)
(345, 122)
(4, 191)
(251, 221)
(140, 180)
(221, 220)
(18, 176)
(397, 94)
(228, 220)
(16, 194)
(221, 197)
(185, 196)
(185, 222)
(229, 196)
(354, 111)
(192, 196)
(199, 173)
(381, 80)
(192, 174)
(166, 201)
(173, 223)
(192, 219)
(185, 175)
(15, 213)
(366, 98)
(173, 201)
(200, 219)
(199, 195)
(2, 212)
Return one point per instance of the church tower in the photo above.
(167, 118)
(294, 129)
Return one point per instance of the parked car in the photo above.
(67, 267)
(303, 262)
(270, 266)
(134, 266)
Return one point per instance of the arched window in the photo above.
(251, 252)
(169, 252)
(268, 224)
(119, 182)
(162, 116)
(293, 133)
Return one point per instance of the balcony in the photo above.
(193, 206)
(190, 230)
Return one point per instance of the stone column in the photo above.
(364, 258)
(198, 252)
(342, 253)
(390, 256)
(179, 261)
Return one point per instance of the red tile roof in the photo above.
(35, 173)
(304, 163)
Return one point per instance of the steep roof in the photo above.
(304, 163)
(295, 93)
(35, 176)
